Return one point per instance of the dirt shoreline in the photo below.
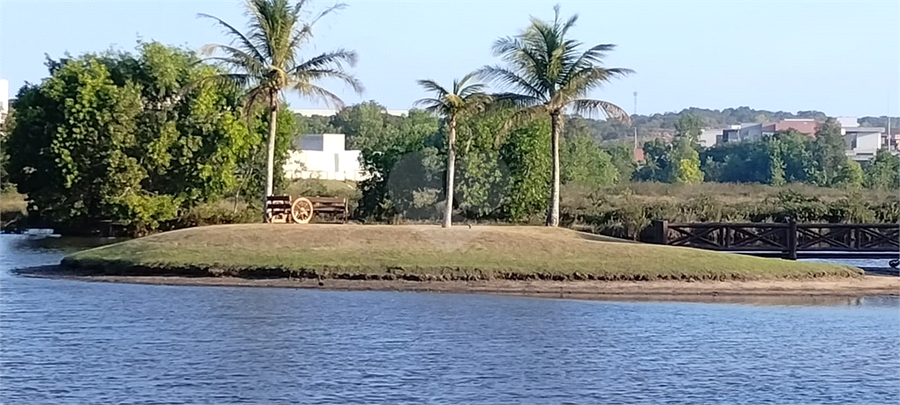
(774, 291)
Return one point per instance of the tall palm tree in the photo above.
(265, 61)
(545, 73)
(462, 99)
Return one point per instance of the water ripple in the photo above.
(74, 342)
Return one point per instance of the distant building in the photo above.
(862, 142)
(847, 122)
(748, 132)
(639, 155)
(329, 112)
(710, 137)
(322, 156)
(4, 99)
(803, 126)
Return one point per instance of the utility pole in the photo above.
(890, 138)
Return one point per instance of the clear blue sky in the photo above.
(840, 57)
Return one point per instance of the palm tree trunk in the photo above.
(270, 151)
(451, 169)
(555, 128)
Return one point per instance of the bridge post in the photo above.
(660, 231)
(792, 239)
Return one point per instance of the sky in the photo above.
(840, 57)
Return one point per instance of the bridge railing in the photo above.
(786, 240)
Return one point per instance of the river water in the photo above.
(82, 342)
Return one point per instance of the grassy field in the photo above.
(12, 207)
(424, 252)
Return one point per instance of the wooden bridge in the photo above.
(785, 240)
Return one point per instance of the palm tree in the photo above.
(265, 61)
(461, 100)
(546, 73)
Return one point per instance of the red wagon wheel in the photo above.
(302, 210)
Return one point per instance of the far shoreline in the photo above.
(764, 291)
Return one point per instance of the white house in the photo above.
(862, 142)
(710, 137)
(322, 156)
(746, 132)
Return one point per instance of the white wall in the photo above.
(708, 137)
(322, 156)
(868, 142)
(333, 142)
(343, 165)
(751, 132)
(321, 142)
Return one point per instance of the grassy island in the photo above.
(424, 253)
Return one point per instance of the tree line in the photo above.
(785, 157)
(140, 138)
(143, 138)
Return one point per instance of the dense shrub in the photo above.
(628, 212)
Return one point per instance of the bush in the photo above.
(627, 212)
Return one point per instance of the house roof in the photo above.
(865, 129)
(639, 155)
(803, 126)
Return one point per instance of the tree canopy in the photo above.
(266, 61)
(114, 136)
(546, 72)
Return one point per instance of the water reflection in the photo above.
(75, 342)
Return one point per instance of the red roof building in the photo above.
(639, 155)
(804, 126)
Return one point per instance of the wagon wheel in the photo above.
(302, 210)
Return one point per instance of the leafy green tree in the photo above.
(251, 176)
(786, 157)
(622, 157)
(315, 124)
(585, 163)
(547, 72)
(795, 152)
(194, 138)
(690, 127)
(265, 61)
(883, 172)
(527, 154)
(72, 141)
(482, 173)
(5, 128)
(119, 136)
(387, 145)
(850, 175)
(828, 152)
(675, 162)
(362, 122)
(687, 172)
(462, 99)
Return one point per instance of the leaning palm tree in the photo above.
(462, 99)
(546, 73)
(265, 61)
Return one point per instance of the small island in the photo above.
(519, 260)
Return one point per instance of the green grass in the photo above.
(424, 252)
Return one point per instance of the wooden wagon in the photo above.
(282, 209)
